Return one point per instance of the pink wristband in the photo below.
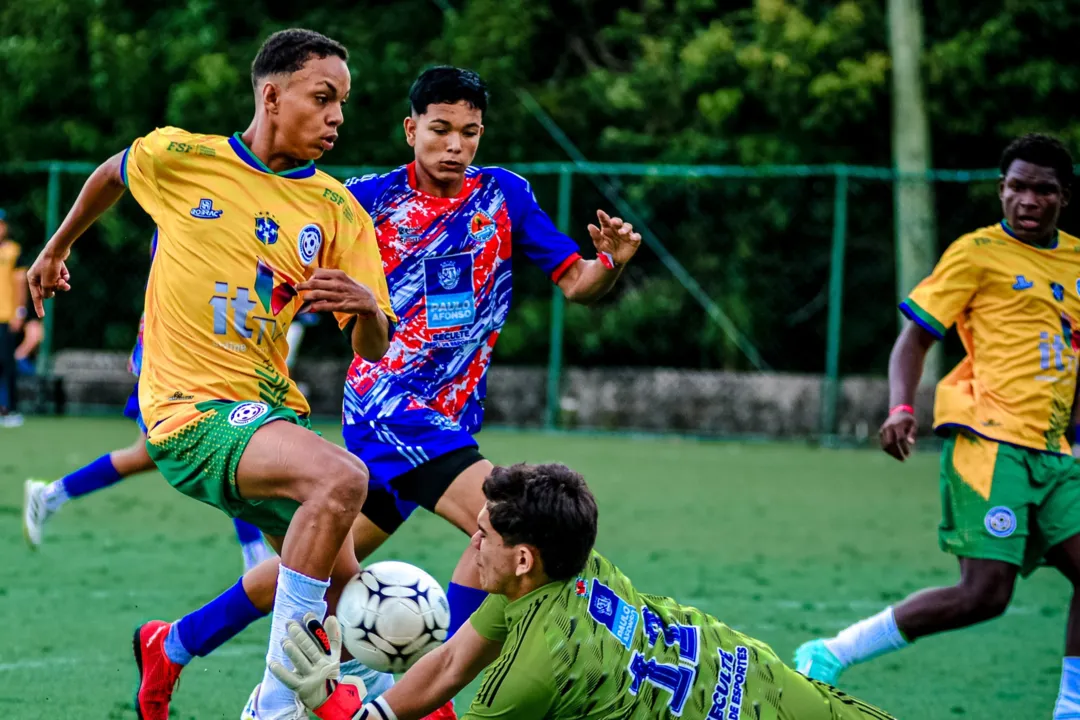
(902, 408)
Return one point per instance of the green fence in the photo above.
(599, 173)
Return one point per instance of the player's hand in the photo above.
(48, 274)
(615, 237)
(315, 651)
(897, 435)
(334, 291)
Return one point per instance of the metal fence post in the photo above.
(831, 386)
(554, 376)
(52, 222)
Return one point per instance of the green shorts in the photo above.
(1003, 502)
(199, 459)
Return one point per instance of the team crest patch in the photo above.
(206, 211)
(1000, 522)
(481, 227)
(614, 613)
(266, 228)
(308, 243)
(449, 274)
(580, 588)
(247, 413)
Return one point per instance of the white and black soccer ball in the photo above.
(391, 615)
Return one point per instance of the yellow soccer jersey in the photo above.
(12, 260)
(234, 239)
(1016, 309)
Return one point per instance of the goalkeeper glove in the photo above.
(315, 652)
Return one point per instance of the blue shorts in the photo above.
(131, 409)
(393, 447)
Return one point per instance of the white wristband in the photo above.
(378, 709)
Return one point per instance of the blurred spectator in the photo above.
(13, 314)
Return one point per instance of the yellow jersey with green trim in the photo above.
(13, 261)
(1016, 308)
(234, 239)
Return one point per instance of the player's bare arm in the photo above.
(334, 291)
(441, 674)
(897, 434)
(49, 274)
(586, 281)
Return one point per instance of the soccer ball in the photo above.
(391, 615)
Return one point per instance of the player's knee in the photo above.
(344, 485)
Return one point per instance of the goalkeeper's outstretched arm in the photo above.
(427, 686)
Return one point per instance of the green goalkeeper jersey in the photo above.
(597, 649)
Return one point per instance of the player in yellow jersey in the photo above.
(1010, 486)
(249, 233)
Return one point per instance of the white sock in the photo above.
(376, 682)
(296, 595)
(1068, 701)
(867, 639)
(55, 496)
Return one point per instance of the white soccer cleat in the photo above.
(11, 420)
(251, 709)
(35, 512)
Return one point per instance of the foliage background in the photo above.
(681, 81)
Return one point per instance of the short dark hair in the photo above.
(547, 506)
(446, 84)
(1042, 150)
(286, 51)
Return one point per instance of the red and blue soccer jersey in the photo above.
(448, 266)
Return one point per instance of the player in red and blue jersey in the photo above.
(447, 232)
(42, 500)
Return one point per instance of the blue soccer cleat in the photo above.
(816, 661)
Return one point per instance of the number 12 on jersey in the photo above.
(621, 619)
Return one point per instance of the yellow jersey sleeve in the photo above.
(938, 301)
(355, 251)
(140, 168)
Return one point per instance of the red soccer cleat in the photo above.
(158, 674)
(446, 712)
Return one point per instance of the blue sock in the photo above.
(464, 601)
(1068, 701)
(246, 532)
(99, 474)
(199, 633)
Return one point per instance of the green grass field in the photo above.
(783, 542)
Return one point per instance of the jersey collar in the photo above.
(252, 160)
(1052, 245)
(411, 171)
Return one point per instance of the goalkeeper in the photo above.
(564, 634)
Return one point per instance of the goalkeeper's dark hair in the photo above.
(1042, 150)
(547, 506)
(449, 85)
(286, 51)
